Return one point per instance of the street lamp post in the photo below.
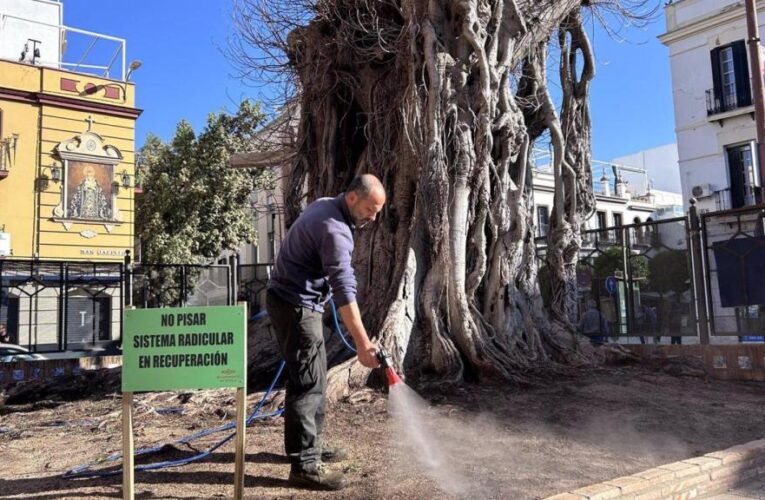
(755, 58)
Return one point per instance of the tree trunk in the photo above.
(443, 100)
(574, 201)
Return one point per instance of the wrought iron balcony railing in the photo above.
(724, 100)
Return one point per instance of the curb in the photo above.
(689, 478)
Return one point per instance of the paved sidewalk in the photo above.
(755, 490)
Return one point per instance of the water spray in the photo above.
(386, 363)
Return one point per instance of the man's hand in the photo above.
(366, 350)
(368, 356)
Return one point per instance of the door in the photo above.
(87, 321)
(739, 167)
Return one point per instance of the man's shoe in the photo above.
(316, 477)
(333, 454)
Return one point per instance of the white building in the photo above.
(714, 114)
(31, 32)
(273, 149)
(624, 193)
(660, 167)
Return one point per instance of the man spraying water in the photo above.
(314, 260)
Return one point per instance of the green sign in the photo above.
(184, 348)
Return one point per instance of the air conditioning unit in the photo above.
(701, 191)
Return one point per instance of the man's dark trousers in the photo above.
(301, 339)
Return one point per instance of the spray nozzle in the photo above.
(386, 363)
(384, 358)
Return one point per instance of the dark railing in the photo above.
(50, 306)
(638, 276)
(252, 280)
(733, 243)
(724, 100)
(179, 285)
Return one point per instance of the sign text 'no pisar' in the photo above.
(183, 348)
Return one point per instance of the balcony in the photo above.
(61, 47)
(727, 200)
(725, 100)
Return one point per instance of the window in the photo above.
(4, 154)
(603, 234)
(271, 247)
(602, 220)
(727, 76)
(730, 79)
(543, 220)
(617, 219)
(272, 238)
(742, 176)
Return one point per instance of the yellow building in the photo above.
(68, 164)
(67, 183)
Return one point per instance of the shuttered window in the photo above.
(730, 77)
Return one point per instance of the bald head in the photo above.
(365, 198)
(365, 184)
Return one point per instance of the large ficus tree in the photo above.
(443, 100)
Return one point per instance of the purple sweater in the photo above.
(315, 257)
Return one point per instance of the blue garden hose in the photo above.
(85, 470)
(337, 327)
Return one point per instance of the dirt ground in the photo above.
(502, 442)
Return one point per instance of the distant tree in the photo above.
(611, 261)
(194, 206)
(668, 271)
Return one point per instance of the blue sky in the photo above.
(186, 75)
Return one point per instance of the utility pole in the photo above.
(755, 58)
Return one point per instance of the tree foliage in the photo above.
(668, 271)
(194, 206)
(611, 262)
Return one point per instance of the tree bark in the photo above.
(443, 100)
(574, 201)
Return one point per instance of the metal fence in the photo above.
(699, 275)
(57, 306)
(734, 265)
(179, 285)
(77, 306)
(61, 306)
(637, 277)
(251, 285)
(702, 276)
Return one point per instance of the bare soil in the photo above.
(506, 442)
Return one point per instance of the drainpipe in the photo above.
(755, 58)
